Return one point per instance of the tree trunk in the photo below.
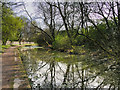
(19, 42)
(64, 20)
(118, 7)
(118, 27)
(11, 42)
(4, 42)
(51, 23)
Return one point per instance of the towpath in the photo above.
(13, 72)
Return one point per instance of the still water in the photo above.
(53, 69)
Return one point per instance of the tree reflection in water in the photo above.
(54, 69)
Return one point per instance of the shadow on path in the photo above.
(13, 73)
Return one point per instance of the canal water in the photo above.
(54, 69)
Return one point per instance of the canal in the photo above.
(54, 69)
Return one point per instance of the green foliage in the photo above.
(4, 47)
(62, 42)
(103, 36)
(78, 49)
(10, 25)
(42, 39)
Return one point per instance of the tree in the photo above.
(10, 25)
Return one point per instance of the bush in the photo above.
(62, 42)
(78, 49)
(43, 40)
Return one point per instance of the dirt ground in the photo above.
(13, 72)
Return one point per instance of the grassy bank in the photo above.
(3, 47)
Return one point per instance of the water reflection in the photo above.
(54, 69)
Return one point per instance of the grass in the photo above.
(3, 47)
(24, 44)
(23, 68)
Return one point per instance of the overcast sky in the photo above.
(63, 0)
(31, 8)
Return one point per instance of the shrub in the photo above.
(62, 42)
(43, 40)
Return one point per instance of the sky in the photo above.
(30, 7)
(65, 0)
(20, 10)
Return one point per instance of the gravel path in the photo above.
(13, 72)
